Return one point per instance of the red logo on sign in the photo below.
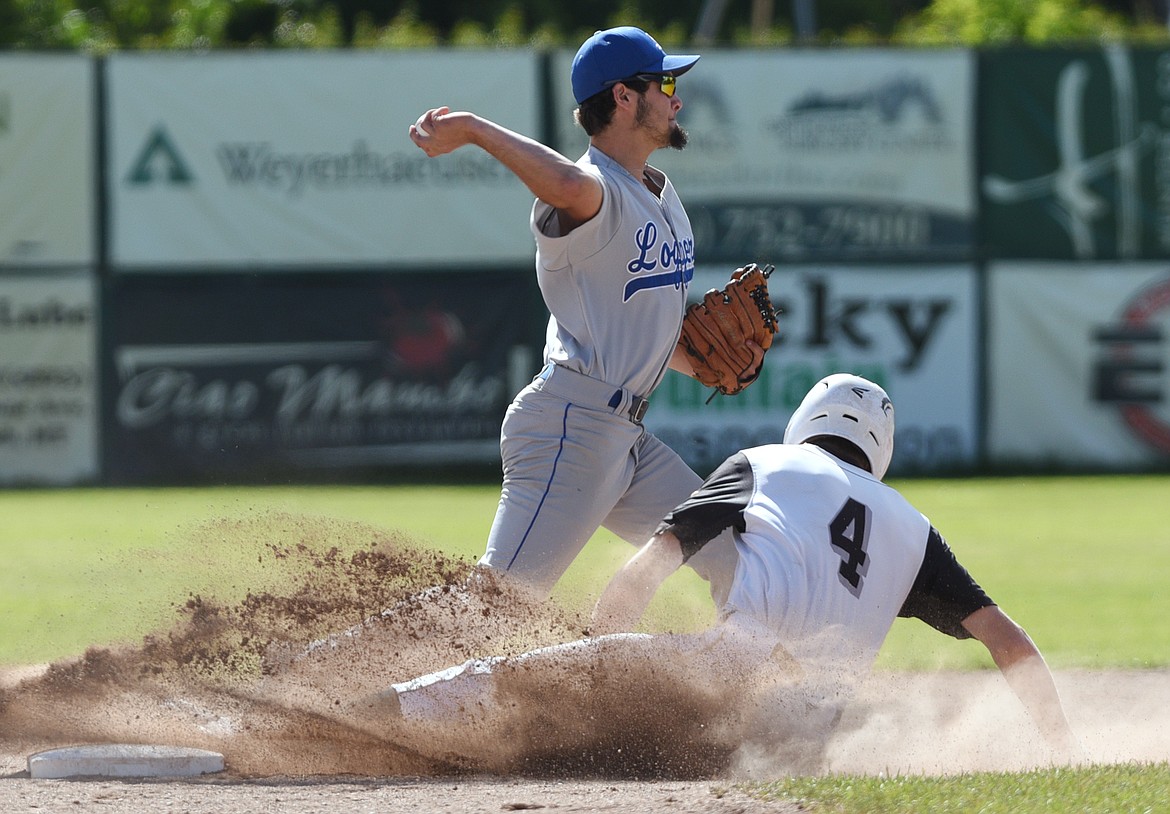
(1140, 416)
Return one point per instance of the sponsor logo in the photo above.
(297, 384)
(831, 172)
(318, 404)
(1130, 373)
(263, 165)
(46, 314)
(828, 330)
(834, 321)
(159, 160)
(1082, 190)
(899, 113)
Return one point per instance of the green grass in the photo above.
(99, 566)
(1117, 789)
(1079, 561)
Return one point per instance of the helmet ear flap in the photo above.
(852, 408)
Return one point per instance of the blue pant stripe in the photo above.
(552, 475)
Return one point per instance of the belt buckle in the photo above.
(639, 409)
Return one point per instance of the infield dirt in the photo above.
(270, 682)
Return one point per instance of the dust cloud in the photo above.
(277, 674)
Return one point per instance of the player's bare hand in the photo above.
(439, 131)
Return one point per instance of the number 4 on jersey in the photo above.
(847, 534)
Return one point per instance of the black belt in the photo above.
(590, 392)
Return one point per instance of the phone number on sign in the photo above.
(795, 231)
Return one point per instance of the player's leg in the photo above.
(469, 689)
(564, 468)
(726, 681)
(442, 695)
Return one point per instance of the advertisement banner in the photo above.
(282, 376)
(48, 380)
(808, 156)
(46, 161)
(1078, 372)
(303, 159)
(915, 332)
(1076, 153)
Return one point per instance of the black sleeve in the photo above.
(713, 507)
(944, 594)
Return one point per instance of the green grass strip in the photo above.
(1113, 789)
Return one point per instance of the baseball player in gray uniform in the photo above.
(614, 257)
(829, 556)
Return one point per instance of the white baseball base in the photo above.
(123, 760)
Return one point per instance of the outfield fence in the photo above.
(235, 267)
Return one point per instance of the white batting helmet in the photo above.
(849, 407)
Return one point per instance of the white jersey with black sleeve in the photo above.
(829, 556)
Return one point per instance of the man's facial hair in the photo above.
(676, 139)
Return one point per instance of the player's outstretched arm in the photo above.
(1027, 674)
(629, 592)
(549, 175)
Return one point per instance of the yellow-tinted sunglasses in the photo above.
(664, 80)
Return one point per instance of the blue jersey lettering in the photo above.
(679, 277)
(676, 255)
(644, 240)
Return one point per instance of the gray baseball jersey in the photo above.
(575, 453)
(616, 286)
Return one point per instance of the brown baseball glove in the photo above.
(716, 330)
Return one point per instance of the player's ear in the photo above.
(621, 93)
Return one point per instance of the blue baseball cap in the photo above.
(618, 53)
